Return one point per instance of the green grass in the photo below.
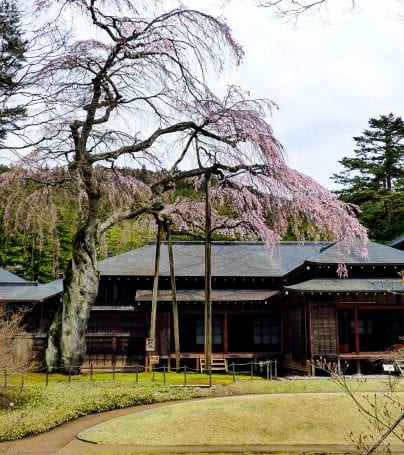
(308, 385)
(159, 377)
(243, 383)
(309, 418)
(38, 407)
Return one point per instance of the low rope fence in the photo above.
(186, 376)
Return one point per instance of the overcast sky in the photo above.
(328, 75)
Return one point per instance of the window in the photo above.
(199, 331)
(265, 330)
(217, 331)
(365, 326)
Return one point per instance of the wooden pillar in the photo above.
(174, 300)
(152, 332)
(225, 333)
(114, 344)
(356, 325)
(208, 275)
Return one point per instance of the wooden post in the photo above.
(152, 332)
(225, 333)
(356, 321)
(208, 275)
(174, 299)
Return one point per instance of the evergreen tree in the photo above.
(12, 47)
(374, 178)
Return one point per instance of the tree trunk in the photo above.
(66, 344)
(208, 277)
(52, 354)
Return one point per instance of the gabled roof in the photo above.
(349, 285)
(7, 277)
(377, 255)
(397, 243)
(28, 292)
(229, 259)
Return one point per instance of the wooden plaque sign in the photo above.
(150, 344)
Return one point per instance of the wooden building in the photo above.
(41, 301)
(286, 303)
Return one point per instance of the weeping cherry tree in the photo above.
(134, 91)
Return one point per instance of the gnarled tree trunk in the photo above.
(66, 344)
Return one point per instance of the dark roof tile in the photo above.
(229, 259)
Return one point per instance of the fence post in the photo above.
(185, 375)
(210, 378)
(270, 370)
(267, 367)
(91, 371)
(113, 371)
(137, 372)
(252, 369)
(153, 369)
(276, 368)
(234, 372)
(47, 376)
(164, 374)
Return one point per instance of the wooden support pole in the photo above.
(357, 340)
(153, 315)
(225, 333)
(174, 299)
(208, 275)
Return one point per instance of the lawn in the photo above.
(38, 407)
(308, 418)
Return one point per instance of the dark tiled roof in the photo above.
(397, 243)
(197, 295)
(349, 285)
(7, 277)
(377, 254)
(30, 292)
(235, 259)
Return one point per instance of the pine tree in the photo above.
(12, 47)
(374, 178)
